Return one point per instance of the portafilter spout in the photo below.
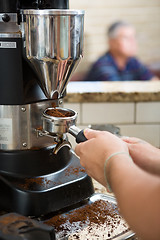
(54, 46)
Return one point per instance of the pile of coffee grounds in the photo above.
(98, 220)
(55, 112)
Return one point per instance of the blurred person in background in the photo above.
(120, 63)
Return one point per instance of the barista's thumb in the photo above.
(90, 133)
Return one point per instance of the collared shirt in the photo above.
(106, 69)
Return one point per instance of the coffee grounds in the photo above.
(94, 213)
(74, 170)
(30, 183)
(90, 217)
(59, 113)
(53, 104)
(34, 183)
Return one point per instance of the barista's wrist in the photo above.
(110, 166)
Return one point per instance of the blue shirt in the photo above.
(106, 69)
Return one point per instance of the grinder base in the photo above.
(47, 193)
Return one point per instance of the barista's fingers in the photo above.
(132, 140)
(78, 149)
(90, 133)
(79, 152)
(126, 139)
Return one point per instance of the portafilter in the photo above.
(57, 121)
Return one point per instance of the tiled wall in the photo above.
(134, 119)
(99, 14)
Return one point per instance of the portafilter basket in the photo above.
(57, 121)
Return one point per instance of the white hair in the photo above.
(113, 29)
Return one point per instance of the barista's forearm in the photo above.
(138, 196)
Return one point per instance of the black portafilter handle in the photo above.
(78, 134)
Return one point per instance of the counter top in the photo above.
(100, 188)
(129, 91)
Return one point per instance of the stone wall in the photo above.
(140, 119)
(99, 14)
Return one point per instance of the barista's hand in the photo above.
(144, 154)
(93, 153)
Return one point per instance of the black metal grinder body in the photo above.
(34, 180)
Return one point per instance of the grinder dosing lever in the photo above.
(57, 121)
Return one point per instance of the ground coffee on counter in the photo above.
(98, 220)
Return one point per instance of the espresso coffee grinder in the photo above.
(41, 43)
